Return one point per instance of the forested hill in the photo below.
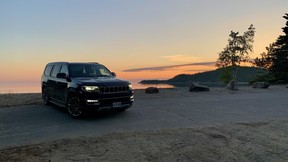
(245, 74)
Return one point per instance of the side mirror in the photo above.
(61, 75)
(113, 74)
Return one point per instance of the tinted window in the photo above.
(48, 70)
(55, 70)
(88, 70)
(64, 69)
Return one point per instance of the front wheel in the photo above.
(74, 107)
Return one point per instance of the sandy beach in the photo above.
(235, 141)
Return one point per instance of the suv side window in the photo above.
(64, 69)
(55, 70)
(47, 71)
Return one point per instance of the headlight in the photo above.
(130, 86)
(90, 88)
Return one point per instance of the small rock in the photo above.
(194, 87)
(152, 90)
(263, 85)
(232, 85)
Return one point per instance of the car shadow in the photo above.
(102, 115)
(91, 115)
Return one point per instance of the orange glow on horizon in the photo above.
(33, 74)
(28, 73)
(164, 74)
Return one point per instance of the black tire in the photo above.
(45, 96)
(74, 107)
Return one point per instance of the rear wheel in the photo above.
(45, 96)
(74, 107)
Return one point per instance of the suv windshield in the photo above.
(88, 70)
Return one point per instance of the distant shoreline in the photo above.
(22, 88)
(188, 83)
(211, 78)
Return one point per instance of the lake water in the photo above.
(35, 87)
(20, 87)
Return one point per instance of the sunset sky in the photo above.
(137, 39)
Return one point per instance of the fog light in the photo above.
(92, 101)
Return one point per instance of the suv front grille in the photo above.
(113, 89)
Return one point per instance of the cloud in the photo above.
(181, 58)
(162, 68)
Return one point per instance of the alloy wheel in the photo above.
(74, 107)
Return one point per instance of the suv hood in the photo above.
(101, 81)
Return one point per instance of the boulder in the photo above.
(232, 85)
(152, 90)
(263, 85)
(194, 87)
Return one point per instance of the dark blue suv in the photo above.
(83, 87)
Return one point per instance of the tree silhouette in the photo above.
(238, 48)
(265, 61)
(279, 55)
(236, 52)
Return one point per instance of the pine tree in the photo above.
(279, 67)
(265, 61)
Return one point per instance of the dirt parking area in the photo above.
(265, 140)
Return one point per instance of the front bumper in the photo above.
(107, 102)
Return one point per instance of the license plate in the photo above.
(116, 104)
